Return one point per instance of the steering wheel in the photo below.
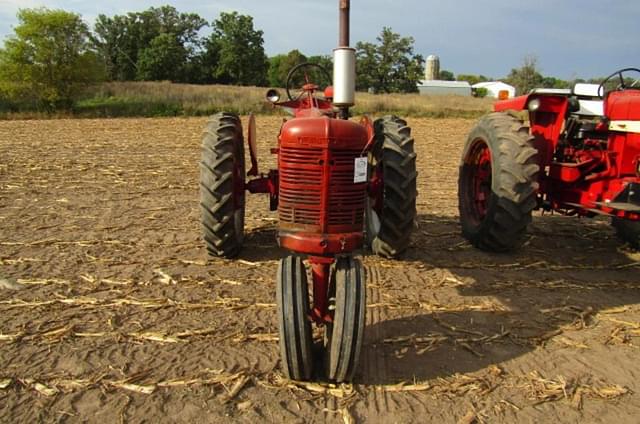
(300, 66)
(622, 85)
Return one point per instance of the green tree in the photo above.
(551, 82)
(122, 40)
(325, 61)
(479, 92)
(200, 66)
(446, 75)
(390, 65)
(527, 77)
(280, 65)
(472, 79)
(164, 59)
(273, 74)
(316, 75)
(49, 59)
(241, 57)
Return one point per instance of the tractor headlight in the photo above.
(534, 105)
(273, 95)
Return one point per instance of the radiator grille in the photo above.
(301, 175)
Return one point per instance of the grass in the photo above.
(149, 99)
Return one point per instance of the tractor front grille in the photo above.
(346, 199)
(300, 185)
(302, 199)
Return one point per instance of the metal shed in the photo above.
(435, 88)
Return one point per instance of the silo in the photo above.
(432, 70)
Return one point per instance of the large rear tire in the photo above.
(627, 231)
(390, 215)
(344, 335)
(292, 298)
(222, 195)
(497, 184)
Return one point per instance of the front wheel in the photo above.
(292, 298)
(344, 335)
(497, 183)
(627, 231)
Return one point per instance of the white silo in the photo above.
(432, 70)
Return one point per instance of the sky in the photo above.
(569, 38)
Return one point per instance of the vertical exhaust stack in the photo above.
(344, 65)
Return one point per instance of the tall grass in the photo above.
(416, 105)
(164, 98)
(122, 99)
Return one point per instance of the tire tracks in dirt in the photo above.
(374, 360)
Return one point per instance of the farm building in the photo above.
(495, 87)
(435, 88)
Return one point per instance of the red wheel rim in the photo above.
(479, 165)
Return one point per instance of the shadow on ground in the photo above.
(488, 308)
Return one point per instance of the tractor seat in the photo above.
(589, 102)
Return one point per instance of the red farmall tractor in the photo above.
(339, 184)
(580, 155)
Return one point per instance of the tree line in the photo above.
(53, 55)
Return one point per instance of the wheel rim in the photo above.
(479, 178)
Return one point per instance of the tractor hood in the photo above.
(623, 105)
(313, 131)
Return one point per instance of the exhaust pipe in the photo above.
(344, 23)
(344, 64)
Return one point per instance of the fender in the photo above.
(516, 103)
(547, 111)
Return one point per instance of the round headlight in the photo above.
(273, 96)
(534, 105)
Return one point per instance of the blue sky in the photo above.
(570, 38)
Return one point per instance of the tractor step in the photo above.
(621, 206)
(627, 200)
(592, 210)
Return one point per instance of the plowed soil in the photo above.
(111, 310)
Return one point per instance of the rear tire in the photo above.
(390, 219)
(292, 297)
(344, 335)
(627, 231)
(222, 199)
(497, 184)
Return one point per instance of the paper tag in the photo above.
(360, 170)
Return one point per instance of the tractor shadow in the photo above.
(491, 308)
(260, 244)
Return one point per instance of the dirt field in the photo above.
(111, 310)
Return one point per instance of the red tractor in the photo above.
(339, 184)
(580, 155)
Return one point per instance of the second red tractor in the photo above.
(578, 155)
